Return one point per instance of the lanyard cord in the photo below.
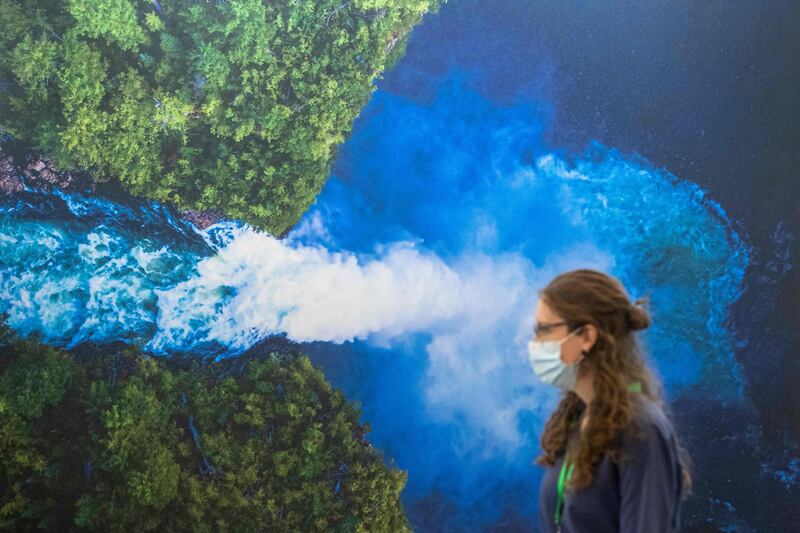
(562, 477)
(566, 470)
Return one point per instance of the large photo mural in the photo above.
(274, 265)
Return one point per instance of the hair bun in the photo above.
(637, 316)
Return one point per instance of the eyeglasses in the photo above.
(543, 328)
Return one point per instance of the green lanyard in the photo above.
(566, 471)
(562, 481)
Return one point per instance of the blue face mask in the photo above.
(545, 358)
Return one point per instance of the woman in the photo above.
(625, 469)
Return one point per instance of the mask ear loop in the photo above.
(584, 353)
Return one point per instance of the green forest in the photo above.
(236, 106)
(110, 439)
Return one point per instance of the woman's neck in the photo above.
(584, 388)
(584, 419)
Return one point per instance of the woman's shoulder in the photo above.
(650, 426)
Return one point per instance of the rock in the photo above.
(9, 179)
(201, 219)
(395, 39)
(40, 173)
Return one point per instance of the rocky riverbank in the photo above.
(35, 171)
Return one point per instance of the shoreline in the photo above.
(38, 172)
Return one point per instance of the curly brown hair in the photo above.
(582, 297)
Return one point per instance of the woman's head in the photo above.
(593, 314)
(596, 319)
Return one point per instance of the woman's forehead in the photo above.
(544, 313)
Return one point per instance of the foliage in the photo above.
(231, 105)
(115, 440)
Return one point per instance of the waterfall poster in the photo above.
(273, 265)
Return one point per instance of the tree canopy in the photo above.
(235, 106)
(114, 440)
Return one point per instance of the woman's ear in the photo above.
(588, 336)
